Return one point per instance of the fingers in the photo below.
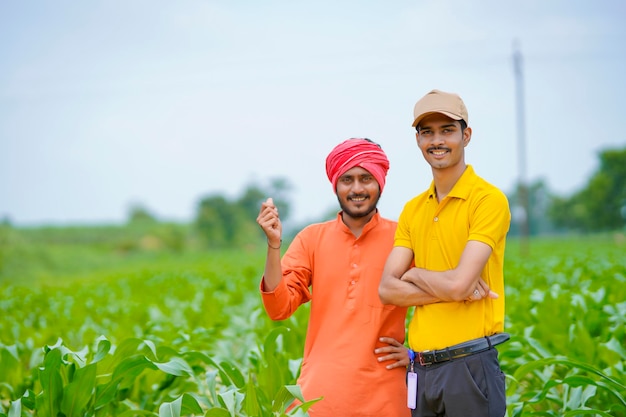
(404, 362)
(397, 359)
(269, 222)
(268, 205)
(485, 291)
(268, 217)
(395, 352)
(390, 341)
(481, 291)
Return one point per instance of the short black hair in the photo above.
(462, 122)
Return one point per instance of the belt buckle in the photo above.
(421, 360)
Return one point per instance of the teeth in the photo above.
(358, 198)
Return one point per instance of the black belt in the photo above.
(428, 357)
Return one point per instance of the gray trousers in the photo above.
(464, 387)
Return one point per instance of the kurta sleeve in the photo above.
(293, 290)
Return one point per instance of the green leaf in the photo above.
(123, 377)
(233, 373)
(217, 412)
(28, 399)
(128, 347)
(103, 348)
(150, 345)
(286, 396)
(190, 405)
(211, 379)
(193, 357)
(616, 346)
(251, 402)
(296, 391)
(271, 378)
(183, 405)
(51, 383)
(10, 369)
(128, 370)
(15, 409)
(541, 363)
(578, 381)
(78, 393)
(618, 393)
(270, 346)
(281, 401)
(175, 366)
(105, 393)
(232, 400)
(171, 409)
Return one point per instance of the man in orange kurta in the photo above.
(354, 357)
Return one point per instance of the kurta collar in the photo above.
(369, 226)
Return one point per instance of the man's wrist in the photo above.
(269, 245)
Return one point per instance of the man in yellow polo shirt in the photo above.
(447, 261)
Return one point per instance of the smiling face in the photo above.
(442, 141)
(358, 193)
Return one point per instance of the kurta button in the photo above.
(354, 265)
(353, 282)
(436, 219)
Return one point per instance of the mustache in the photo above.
(438, 148)
(358, 196)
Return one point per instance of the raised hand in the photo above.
(269, 221)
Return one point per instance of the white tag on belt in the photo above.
(411, 383)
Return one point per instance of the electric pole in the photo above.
(522, 192)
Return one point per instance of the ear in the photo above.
(467, 136)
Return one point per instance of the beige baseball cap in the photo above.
(438, 101)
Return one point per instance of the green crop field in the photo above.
(101, 327)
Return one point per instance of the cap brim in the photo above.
(421, 116)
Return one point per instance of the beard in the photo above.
(368, 205)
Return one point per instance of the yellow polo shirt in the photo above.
(437, 233)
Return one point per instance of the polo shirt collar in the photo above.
(463, 186)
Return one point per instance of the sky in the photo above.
(106, 105)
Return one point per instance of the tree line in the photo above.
(222, 222)
(599, 206)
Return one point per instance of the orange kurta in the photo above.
(340, 274)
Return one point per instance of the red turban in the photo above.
(357, 152)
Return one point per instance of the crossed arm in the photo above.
(404, 286)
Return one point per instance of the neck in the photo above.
(356, 224)
(445, 179)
